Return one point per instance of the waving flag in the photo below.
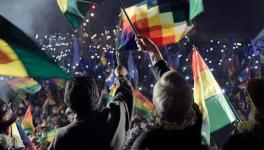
(24, 85)
(27, 142)
(27, 123)
(111, 94)
(50, 135)
(111, 79)
(21, 57)
(70, 10)
(245, 75)
(143, 106)
(165, 22)
(217, 113)
(16, 135)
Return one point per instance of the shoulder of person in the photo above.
(146, 137)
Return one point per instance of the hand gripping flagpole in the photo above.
(132, 26)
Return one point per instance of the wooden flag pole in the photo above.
(130, 22)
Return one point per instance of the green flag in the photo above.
(196, 7)
(21, 57)
(70, 10)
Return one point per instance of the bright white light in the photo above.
(140, 88)
(92, 14)
(187, 77)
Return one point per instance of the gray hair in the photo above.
(172, 97)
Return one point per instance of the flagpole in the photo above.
(130, 22)
(116, 44)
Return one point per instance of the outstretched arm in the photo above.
(147, 45)
(124, 91)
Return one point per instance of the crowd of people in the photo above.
(115, 127)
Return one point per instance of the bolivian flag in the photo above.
(217, 113)
(111, 95)
(21, 57)
(27, 123)
(50, 135)
(24, 85)
(143, 106)
(70, 10)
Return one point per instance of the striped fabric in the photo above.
(216, 110)
(22, 57)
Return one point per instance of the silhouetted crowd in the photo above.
(83, 125)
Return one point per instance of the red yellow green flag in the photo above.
(216, 110)
(70, 10)
(27, 123)
(143, 106)
(22, 57)
(111, 94)
(50, 135)
(24, 85)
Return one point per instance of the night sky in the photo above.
(222, 18)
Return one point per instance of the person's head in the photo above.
(172, 97)
(256, 92)
(81, 95)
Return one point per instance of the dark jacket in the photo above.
(102, 131)
(162, 139)
(249, 136)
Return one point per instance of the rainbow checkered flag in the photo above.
(163, 21)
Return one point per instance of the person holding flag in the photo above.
(179, 123)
